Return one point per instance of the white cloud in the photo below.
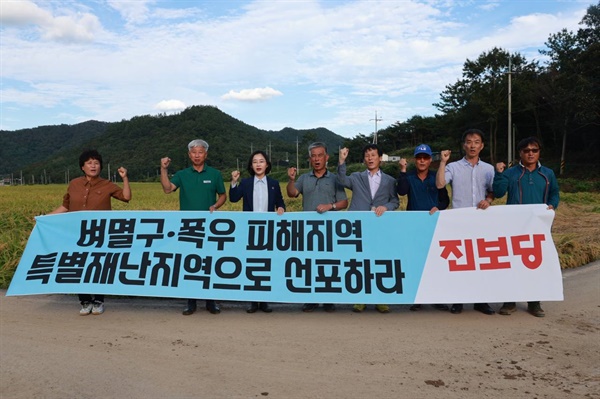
(258, 94)
(68, 29)
(490, 5)
(336, 61)
(133, 12)
(170, 106)
(19, 13)
(71, 27)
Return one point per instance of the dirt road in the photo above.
(145, 348)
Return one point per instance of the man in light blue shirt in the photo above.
(472, 181)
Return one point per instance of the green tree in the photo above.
(571, 83)
(479, 99)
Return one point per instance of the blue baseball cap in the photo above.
(422, 149)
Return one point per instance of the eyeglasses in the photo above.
(528, 150)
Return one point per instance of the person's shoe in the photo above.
(456, 308)
(441, 307)
(253, 308)
(86, 309)
(265, 307)
(382, 308)
(358, 308)
(414, 308)
(484, 308)
(97, 308)
(508, 308)
(329, 307)
(535, 309)
(309, 307)
(212, 307)
(190, 308)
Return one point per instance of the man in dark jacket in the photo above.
(526, 183)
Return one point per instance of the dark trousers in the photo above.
(192, 303)
(90, 298)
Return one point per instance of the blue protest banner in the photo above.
(337, 257)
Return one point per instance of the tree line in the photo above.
(557, 100)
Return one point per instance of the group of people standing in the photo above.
(474, 183)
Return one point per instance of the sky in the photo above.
(348, 66)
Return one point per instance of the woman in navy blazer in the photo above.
(260, 194)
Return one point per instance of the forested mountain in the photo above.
(21, 148)
(50, 153)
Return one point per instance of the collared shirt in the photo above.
(470, 183)
(319, 190)
(374, 182)
(260, 195)
(198, 190)
(91, 195)
(423, 195)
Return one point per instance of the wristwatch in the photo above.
(333, 206)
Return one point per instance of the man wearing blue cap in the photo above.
(423, 194)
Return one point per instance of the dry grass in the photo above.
(576, 229)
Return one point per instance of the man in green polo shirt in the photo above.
(201, 188)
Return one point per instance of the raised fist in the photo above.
(292, 173)
(403, 163)
(344, 154)
(445, 155)
(235, 175)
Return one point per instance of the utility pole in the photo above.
(510, 140)
(297, 158)
(375, 134)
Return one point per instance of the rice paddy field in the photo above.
(576, 229)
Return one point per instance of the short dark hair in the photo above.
(369, 147)
(529, 140)
(264, 154)
(470, 132)
(90, 154)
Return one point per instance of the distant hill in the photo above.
(50, 153)
(20, 148)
